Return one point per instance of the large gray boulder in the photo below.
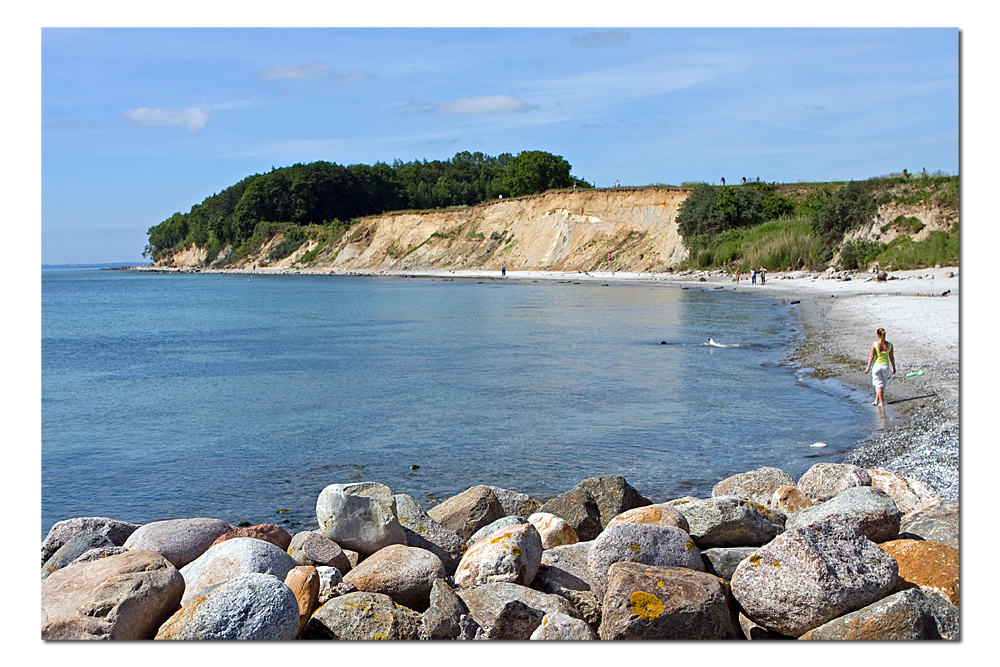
(424, 532)
(75, 547)
(756, 485)
(660, 514)
(404, 573)
(590, 505)
(310, 548)
(360, 616)
(909, 614)
(251, 606)
(651, 602)
(443, 617)
(467, 512)
(564, 572)
(870, 509)
(808, 576)
(127, 596)
(910, 495)
(515, 503)
(938, 523)
(825, 480)
(361, 517)
(233, 558)
(179, 540)
(512, 554)
(641, 543)
(62, 531)
(486, 601)
(728, 521)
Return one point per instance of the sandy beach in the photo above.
(838, 312)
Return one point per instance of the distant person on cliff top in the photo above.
(743, 181)
(617, 184)
(723, 180)
(878, 361)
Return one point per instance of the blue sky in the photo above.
(137, 124)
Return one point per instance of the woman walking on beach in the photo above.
(878, 361)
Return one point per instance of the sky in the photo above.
(140, 123)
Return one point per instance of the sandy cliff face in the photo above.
(555, 231)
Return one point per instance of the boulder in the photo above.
(939, 523)
(870, 509)
(424, 532)
(910, 495)
(179, 540)
(756, 485)
(311, 548)
(329, 579)
(468, 511)
(486, 601)
(250, 606)
(591, 504)
(788, 500)
(74, 548)
(359, 616)
(643, 543)
(359, 516)
(303, 581)
(728, 521)
(909, 614)
(825, 480)
(443, 617)
(515, 503)
(927, 565)
(564, 572)
(556, 626)
(233, 558)
(659, 514)
(493, 527)
(269, 532)
(97, 554)
(651, 602)
(516, 621)
(553, 530)
(127, 596)
(808, 576)
(62, 531)
(753, 631)
(511, 554)
(403, 573)
(722, 561)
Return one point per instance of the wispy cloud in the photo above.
(601, 39)
(307, 72)
(482, 104)
(192, 119)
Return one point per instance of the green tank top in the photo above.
(880, 356)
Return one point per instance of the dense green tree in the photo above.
(532, 172)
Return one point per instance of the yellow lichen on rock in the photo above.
(645, 606)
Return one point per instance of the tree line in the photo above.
(326, 193)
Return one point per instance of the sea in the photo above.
(241, 397)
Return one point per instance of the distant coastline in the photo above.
(101, 265)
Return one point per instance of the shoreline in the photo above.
(918, 436)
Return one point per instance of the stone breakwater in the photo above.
(843, 552)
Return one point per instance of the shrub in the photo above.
(904, 253)
(859, 254)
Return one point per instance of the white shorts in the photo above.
(880, 375)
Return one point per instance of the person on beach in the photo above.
(753, 276)
(737, 277)
(878, 361)
(762, 271)
(503, 270)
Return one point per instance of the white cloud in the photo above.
(483, 104)
(192, 119)
(315, 70)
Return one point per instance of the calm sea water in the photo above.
(237, 397)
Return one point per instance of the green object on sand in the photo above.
(912, 373)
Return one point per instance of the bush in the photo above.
(904, 253)
(859, 254)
